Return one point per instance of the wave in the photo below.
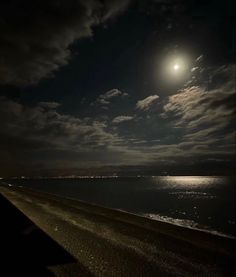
(186, 223)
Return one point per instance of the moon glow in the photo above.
(173, 69)
(176, 67)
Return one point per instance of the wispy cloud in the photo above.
(109, 96)
(122, 118)
(147, 102)
(206, 116)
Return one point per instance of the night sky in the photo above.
(98, 83)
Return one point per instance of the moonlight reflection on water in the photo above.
(192, 181)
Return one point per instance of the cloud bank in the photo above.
(194, 124)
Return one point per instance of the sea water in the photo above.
(203, 202)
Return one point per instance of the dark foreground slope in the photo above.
(94, 241)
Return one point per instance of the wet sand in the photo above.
(70, 238)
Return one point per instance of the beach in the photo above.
(98, 241)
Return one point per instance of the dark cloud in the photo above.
(43, 123)
(35, 36)
(41, 135)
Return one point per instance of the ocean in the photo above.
(202, 202)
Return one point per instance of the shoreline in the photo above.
(126, 239)
(160, 218)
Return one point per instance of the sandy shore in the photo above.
(105, 242)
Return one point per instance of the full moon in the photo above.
(176, 67)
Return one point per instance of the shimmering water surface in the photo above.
(205, 202)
